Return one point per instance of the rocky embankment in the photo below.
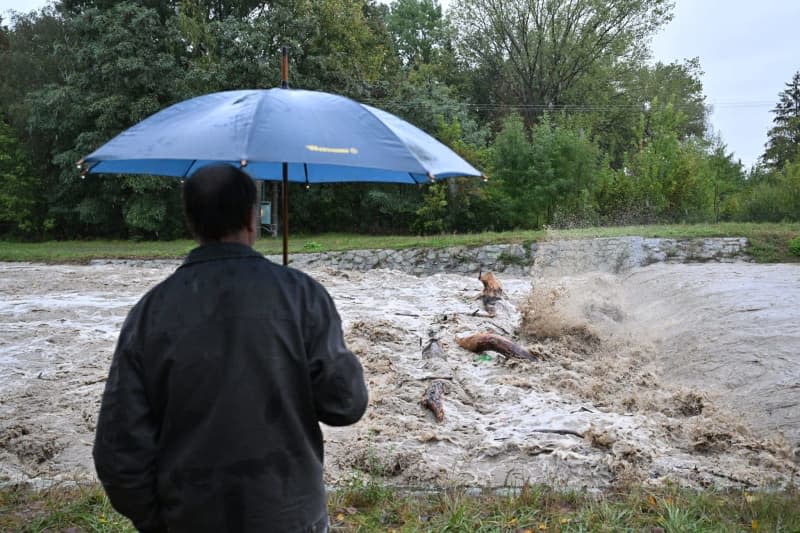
(613, 255)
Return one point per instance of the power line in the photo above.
(743, 104)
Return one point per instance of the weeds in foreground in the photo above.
(366, 504)
(60, 508)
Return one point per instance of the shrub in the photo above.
(794, 246)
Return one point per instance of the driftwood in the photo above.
(433, 399)
(481, 342)
(423, 378)
(492, 292)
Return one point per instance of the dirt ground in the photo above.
(686, 373)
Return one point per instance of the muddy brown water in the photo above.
(686, 373)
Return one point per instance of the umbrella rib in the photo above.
(188, 168)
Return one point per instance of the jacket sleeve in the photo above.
(340, 394)
(126, 441)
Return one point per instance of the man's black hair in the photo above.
(218, 201)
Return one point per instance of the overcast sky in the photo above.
(748, 50)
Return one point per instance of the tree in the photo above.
(119, 66)
(4, 31)
(418, 28)
(210, 9)
(616, 96)
(774, 197)
(534, 52)
(460, 204)
(552, 174)
(343, 53)
(783, 144)
(21, 197)
(669, 177)
(728, 178)
(27, 51)
(512, 158)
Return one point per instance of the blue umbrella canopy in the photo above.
(322, 137)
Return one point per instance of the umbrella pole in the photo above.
(285, 85)
(285, 214)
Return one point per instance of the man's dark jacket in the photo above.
(209, 419)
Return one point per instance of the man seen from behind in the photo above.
(210, 416)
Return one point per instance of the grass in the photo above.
(60, 508)
(368, 505)
(769, 243)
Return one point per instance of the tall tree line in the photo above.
(558, 102)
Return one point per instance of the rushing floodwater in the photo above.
(670, 372)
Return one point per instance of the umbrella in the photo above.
(280, 134)
(323, 138)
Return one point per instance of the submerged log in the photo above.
(481, 342)
(433, 399)
(492, 292)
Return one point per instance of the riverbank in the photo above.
(768, 243)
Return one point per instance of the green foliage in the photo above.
(604, 136)
(794, 246)
(153, 207)
(783, 140)
(341, 49)
(614, 99)
(772, 196)
(550, 174)
(468, 205)
(511, 165)
(535, 54)
(418, 28)
(20, 192)
(122, 68)
(431, 216)
(728, 178)
(663, 179)
(312, 246)
(387, 209)
(372, 209)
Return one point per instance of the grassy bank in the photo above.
(369, 506)
(769, 242)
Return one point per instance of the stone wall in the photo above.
(615, 254)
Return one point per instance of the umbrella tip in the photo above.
(79, 164)
(485, 178)
(243, 163)
(431, 177)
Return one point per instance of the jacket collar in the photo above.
(219, 250)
